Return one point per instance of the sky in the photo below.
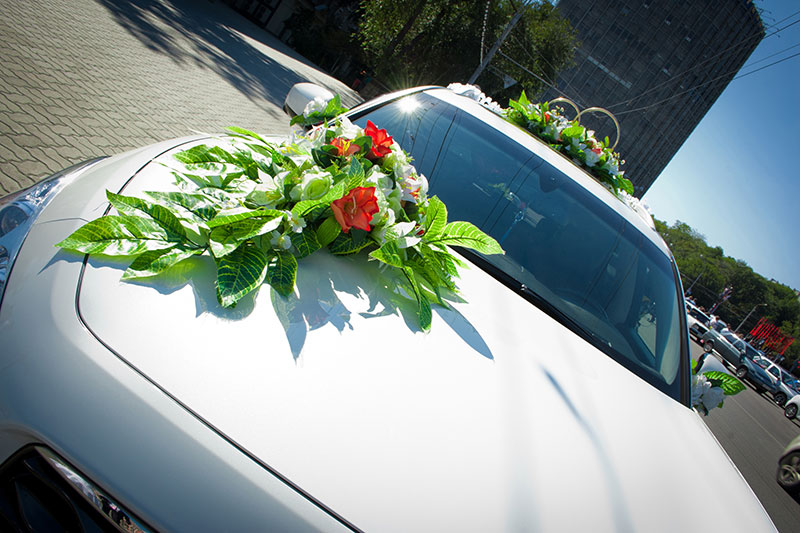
(736, 179)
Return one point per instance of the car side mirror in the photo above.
(301, 94)
(707, 347)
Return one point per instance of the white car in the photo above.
(697, 321)
(553, 396)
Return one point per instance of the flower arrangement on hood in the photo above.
(257, 207)
(567, 136)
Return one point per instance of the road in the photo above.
(754, 432)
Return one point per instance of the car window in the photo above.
(561, 241)
(699, 315)
(774, 371)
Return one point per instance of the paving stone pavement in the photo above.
(81, 78)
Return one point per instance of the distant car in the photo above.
(789, 467)
(726, 344)
(783, 381)
(697, 320)
(791, 407)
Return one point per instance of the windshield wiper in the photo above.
(536, 299)
(563, 317)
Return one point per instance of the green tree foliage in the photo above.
(707, 271)
(414, 42)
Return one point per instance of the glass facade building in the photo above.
(658, 65)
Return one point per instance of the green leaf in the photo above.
(198, 154)
(435, 217)
(466, 235)
(573, 131)
(225, 239)
(355, 175)
(325, 156)
(248, 134)
(129, 205)
(328, 231)
(122, 235)
(730, 384)
(389, 253)
(240, 272)
(344, 244)
(232, 216)
(424, 313)
(282, 273)
(305, 243)
(302, 208)
(154, 262)
(200, 205)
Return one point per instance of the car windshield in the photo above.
(583, 261)
(699, 315)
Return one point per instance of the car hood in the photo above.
(499, 418)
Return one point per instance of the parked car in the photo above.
(698, 322)
(791, 407)
(554, 395)
(726, 344)
(788, 475)
(785, 383)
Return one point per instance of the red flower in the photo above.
(381, 141)
(355, 209)
(546, 117)
(345, 147)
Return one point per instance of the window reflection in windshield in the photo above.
(561, 241)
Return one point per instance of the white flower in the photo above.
(348, 130)
(297, 223)
(713, 397)
(397, 158)
(704, 395)
(612, 167)
(280, 241)
(317, 105)
(269, 191)
(592, 157)
(414, 187)
(470, 91)
(699, 386)
(554, 130)
(314, 185)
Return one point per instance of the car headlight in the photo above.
(19, 210)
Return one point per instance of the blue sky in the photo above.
(736, 179)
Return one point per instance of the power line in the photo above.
(643, 108)
(678, 77)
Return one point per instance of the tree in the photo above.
(708, 270)
(410, 42)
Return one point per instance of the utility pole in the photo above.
(748, 316)
(496, 46)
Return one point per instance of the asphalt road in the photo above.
(754, 432)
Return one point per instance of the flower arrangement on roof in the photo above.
(258, 207)
(548, 122)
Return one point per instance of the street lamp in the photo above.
(748, 316)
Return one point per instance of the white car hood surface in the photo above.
(499, 419)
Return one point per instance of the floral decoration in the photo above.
(564, 135)
(257, 207)
(710, 388)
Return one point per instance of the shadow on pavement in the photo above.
(204, 33)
